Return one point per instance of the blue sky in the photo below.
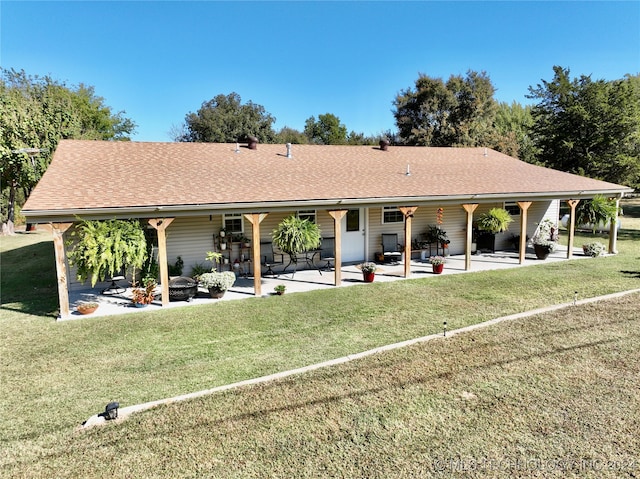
(159, 61)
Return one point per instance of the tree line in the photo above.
(580, 125)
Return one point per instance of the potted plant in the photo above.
(437, 263)
(295, 235)
(597, 212)
(280, 289)
(494, 221)
(368, 271)
(99, 249)
(87, 307)
(217, 283)
(545, 239)
(593, 249)
(435, 234)
(142, 296)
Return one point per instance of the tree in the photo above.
(224, 119)
(587, 127)
(513, 131)
(327, 130)
(291, 135)
(459, 112)
(36, 113)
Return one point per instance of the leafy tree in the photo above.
(459, 112)
(513, 131)
(224, 119)
(291, 135)
(326, 130)
(36, 113)
(595, 211)
(587, 127)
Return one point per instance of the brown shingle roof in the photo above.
(101, 174)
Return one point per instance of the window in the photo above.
(353, 220)
(233, 223)
(307, 215)
(391, 214)
(512, 207)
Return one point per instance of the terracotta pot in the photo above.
(437, 268)
(216, 293)
(368, 277)
(85, 309)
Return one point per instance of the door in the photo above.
(353, 236)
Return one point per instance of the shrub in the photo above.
(593, 249)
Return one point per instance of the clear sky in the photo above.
(159, 60)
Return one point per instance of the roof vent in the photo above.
(384, 144)
(252, 143)
(289, 150)
(408, 173)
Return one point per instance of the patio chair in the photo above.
(272, 258)
(327, 253)
(391, 249)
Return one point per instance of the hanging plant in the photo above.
(295, 235)
(596, 211)
(101, 249)
(496, 220)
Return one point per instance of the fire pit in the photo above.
(182, 288)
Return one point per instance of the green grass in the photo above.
(56, 374)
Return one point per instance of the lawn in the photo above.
(557, 386)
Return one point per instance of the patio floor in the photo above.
(311, 279)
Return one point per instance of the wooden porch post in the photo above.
(337, 216)
(58, 230)
(572, 226)
(613, 230)
(469, 208)
(161, 224)
(524, 207)
(408, 212)
(255, 219)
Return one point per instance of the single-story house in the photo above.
(188, 192)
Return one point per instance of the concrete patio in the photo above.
(311, 279)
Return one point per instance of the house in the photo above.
(188, 192)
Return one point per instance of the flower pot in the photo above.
(437, 268)
(83, 309)
(542, 252)
(216, 293)
(368, 277)
(140, 305)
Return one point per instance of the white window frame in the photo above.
(391, 209)
(233, 216)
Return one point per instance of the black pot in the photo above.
(541, 251)
(216, 293)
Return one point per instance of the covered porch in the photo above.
(310, 279)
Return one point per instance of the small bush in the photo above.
(593, 249)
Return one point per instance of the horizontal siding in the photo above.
(191, 237)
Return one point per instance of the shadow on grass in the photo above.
(28, 280)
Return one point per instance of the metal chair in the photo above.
(327, 253)
(391, 249)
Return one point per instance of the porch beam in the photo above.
(337, 216)
(255, 219)
(469, 208)
(524, 210)
(572, 226)
(161, 224)
(408, 212)
(58, 230)
(613, 230)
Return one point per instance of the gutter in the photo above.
(71, 214)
